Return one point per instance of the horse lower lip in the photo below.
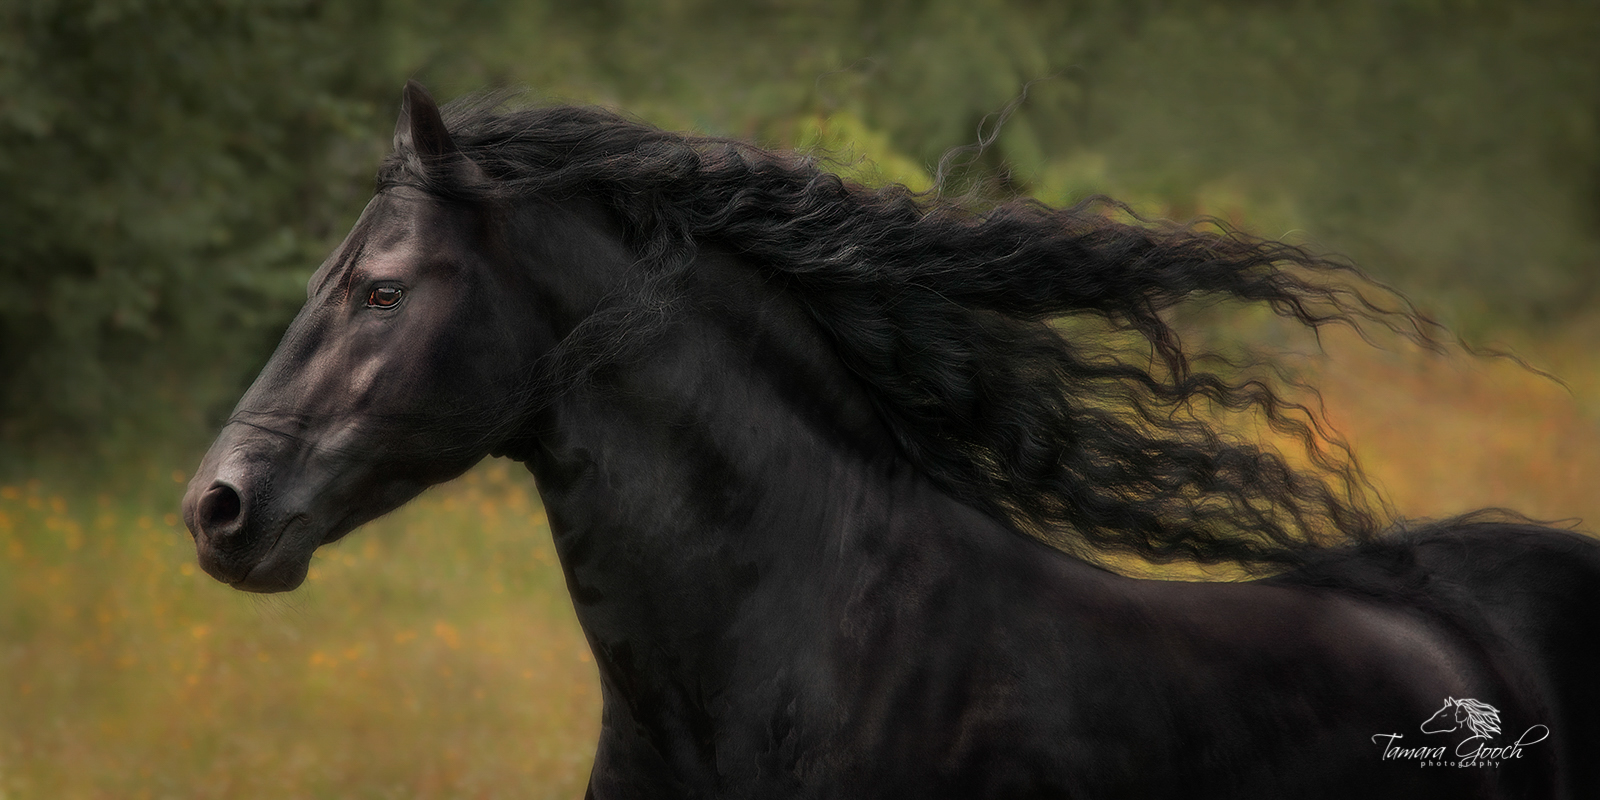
(240, 576)
(268, 577)
(223, 571)
(273, 573)
(246, 584)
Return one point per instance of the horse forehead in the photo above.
(398, 226)
(407, 221)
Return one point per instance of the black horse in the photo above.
(825, 473)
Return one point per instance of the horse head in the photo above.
(393, 377)
(1447, 719)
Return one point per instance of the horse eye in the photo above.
(384, 297)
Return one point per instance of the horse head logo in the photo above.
(1482, 719)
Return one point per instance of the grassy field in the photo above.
(435, 654)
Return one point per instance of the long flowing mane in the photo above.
(954, 313)
(1482, 719)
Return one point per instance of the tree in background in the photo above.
(170, 170)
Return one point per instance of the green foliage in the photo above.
(174, 170)
(1451, 147)
(858, 153)
(171, 168)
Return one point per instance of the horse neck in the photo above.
(736, 451)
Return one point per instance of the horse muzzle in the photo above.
(241, 536)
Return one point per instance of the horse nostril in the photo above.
(219, 507)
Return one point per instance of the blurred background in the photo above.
(172, 171)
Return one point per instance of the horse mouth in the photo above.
(288, 561)
(285, 564)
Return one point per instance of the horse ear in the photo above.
(420, 129)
